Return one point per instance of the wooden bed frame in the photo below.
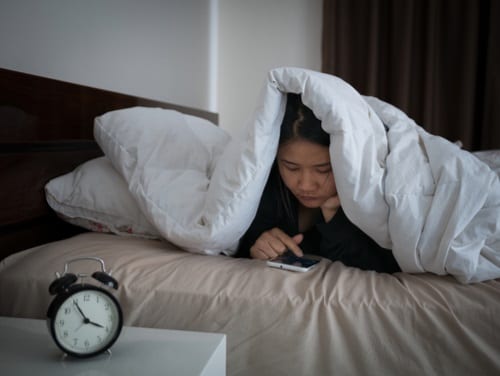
(46, 130)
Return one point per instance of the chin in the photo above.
(311, 204)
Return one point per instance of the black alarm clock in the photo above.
(84, 319)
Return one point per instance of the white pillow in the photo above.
(168, 160)
(94, 196)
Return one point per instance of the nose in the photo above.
(305, 181)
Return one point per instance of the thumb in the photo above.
(298, 238)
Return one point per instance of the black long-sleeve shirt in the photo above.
(338, 240)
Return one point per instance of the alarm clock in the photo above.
(84, 319)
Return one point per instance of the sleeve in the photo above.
(257, 227)
(264, 220)
(342, 241)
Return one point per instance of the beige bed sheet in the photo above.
(333, 320)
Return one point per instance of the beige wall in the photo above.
(154, 48)
(211, 54)
(258, 35)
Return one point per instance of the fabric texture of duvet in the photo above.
(435, 205)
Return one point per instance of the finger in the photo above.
(258, 254)
(289, 243)
(263, 247)
(297, 250)
(270, 242)
(277, 247)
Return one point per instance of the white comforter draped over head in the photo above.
(435, 205)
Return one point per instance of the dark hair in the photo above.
(299, 123)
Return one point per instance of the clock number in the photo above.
(106, 306)
(86, 298)
(61, 322)
(67, 311)
(65, 334)
(87, 343)
(75, 341)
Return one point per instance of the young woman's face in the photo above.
(306, 170)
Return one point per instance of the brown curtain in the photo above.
(438, 60)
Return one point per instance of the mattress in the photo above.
(331, 320)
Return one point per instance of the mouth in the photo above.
(308, 199)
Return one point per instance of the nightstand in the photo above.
(27, 349)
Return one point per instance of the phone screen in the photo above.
(290, 261)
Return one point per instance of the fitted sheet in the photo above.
(331, 320)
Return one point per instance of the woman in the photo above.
(300, 210)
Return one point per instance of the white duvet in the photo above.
(436, 206)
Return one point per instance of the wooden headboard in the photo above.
(46, 130)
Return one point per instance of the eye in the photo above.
(324, 170)
(290, 166)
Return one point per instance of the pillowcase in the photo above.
(94, 196)
(170, 160)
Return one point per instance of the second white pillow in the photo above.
(94, 196)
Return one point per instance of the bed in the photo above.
(332, 320)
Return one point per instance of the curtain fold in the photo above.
(438, 60)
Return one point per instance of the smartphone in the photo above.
(289, 261)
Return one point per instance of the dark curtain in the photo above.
(437, 60)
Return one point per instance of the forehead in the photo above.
(304, 153)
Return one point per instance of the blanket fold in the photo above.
(436, 205)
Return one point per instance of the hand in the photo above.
(274, 243)
(329, 207)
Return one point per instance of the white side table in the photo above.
(26, 348)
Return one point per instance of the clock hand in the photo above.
(79, 309)
(85, 319)
(96, 324)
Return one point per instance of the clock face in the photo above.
(87, 322)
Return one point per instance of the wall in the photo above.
(211, 54)
(255, 36)
(152, 48)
